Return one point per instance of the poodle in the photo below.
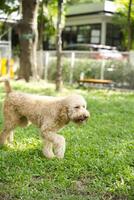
(50, 114)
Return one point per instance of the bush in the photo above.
(118, 71)
(89, 67)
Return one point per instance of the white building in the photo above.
(92, 23)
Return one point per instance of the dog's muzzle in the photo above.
(82, 118)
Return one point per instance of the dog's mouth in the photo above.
(80, 120)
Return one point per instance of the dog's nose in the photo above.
(87, 115)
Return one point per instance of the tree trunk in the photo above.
(129, 26)
(28, 39)
(59, 46)
(41, 28)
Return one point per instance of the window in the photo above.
(82, 34)
(95, 34)
(113, 35)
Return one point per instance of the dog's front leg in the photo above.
(48, 148)
(58, 142)
(59, 146)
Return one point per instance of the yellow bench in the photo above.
(96, 81)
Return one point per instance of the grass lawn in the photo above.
(99, 159)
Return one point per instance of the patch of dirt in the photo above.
(109, 196)
(4, 196)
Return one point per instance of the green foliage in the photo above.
(1, 28)
(123, 9)
(47, 14)
(99, 159)
(118, 71)
(121, 18)
(9, 6)
(89, 67)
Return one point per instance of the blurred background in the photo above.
(64, 41)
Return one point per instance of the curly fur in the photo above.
(50, 114)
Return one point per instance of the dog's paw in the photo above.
(59, 152)
(60, 156)
(48, 155)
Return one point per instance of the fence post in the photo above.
(131, 58)
(102, 69)
(46, 65)
(72, 67)
(9, 53)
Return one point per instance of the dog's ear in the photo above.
(63, 114)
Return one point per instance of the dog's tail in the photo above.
(8, 88)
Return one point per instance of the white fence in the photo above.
(46, 58)
(6, 61)
(5, 49)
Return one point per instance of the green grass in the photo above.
(99, 159)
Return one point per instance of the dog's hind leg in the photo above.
(11, 137)
(7, 134)
(11, 120)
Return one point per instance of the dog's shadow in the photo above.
(26, 148)
(26, 152)
(27, 162)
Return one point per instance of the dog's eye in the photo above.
(77, 107)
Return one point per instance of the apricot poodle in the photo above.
(50, 114)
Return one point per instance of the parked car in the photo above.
(77, 47)
(97, 51)
(110, 54)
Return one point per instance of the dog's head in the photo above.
(76, 108)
